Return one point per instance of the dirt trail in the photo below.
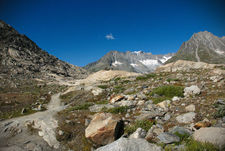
(44, 121)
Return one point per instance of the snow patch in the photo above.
(133, 65)
(150, 62)
(164, 59)
(219, 52)
(116, 63)
(137, 52)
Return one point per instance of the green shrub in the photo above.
(103, 86)
(145, 77)
(193, 145)
(116, 110)
(168, 91)
(102, 102)
(144, 124)
(220, 111)
(84, 106)
(118, 89)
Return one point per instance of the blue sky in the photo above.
(82, 31)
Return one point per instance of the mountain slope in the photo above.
(21, 57)
(136, 61)
(202, 46)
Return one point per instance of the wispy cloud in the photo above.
(109, 37)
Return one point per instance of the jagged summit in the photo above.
(133, 61)
(202, 46)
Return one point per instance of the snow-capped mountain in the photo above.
(136, 61)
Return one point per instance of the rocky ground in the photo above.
(181, 106)
(178, 110)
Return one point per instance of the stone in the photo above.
(24, 110)
(164, 104)
(192, 90)
(175, 98)
(214, 135)
(167, 117)
(99, 107)
(140, 103)
(190, 108)
(127, 144)
(180, 130)
(168, 138)
(116, 99)
(126, 103)
(97, 91)
(186, 118)
(201, 124)
(139, 133)
(149, 114)
(104, 128)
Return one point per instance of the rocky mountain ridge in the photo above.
(137, 61)
(21, 57)
(204, 47)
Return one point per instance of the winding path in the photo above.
(44, 121)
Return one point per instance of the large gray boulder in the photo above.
(214, 135)
(186, 118)
(192, 90)
(126, 144)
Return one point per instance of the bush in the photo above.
(172, 79)
(168, 91)
(144, 124)
(84, 106)
(102, 102)
(193, 145)
(147, 76)
(116, 110)
(118, 89)
(220, 111)
(103, 86)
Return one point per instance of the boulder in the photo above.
(175, 98)
(180, 130)
(164, 104)
(116, 99)
(214, 135)
(104, 128)
(192, 90)
(186, 118)
(168, 138)
(126, 103)
(139, 133)
(127, 144)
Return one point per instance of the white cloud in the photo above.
(109, 37)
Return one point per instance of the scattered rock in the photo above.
(97, 91)
(168, 138)
(201, 124)
(99, 107)
(127, 144)
(192, 90)
(164, 104)
(186, 118)
(180, 130)
(190, 108)
(116, 99)
(139, 133)
(104, 128)
(175, 98)
(214, 135)
(24, 110)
